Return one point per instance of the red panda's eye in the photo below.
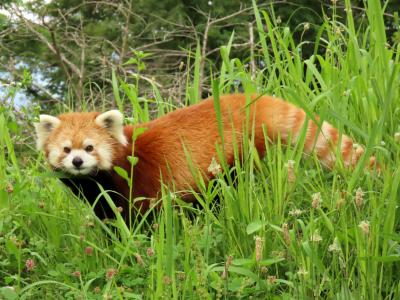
(89, 148)
(67, 149)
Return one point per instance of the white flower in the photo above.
(302, 272)
(335, 246)
(214, 167)
(364, 225)
(316, 237)
(295, 212)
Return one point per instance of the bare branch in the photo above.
(251, 42)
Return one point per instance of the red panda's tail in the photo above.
(286, 119)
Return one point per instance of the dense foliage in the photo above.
(70, 47)
(284, 228)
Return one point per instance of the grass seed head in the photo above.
(295, 212)
(167, 280)
(259, 248)
(180, 276)
(359, 198)
(139, 259)
(90, 224)
(89, 250)
(302, 272)
(290, 171)
(227, 265)
(316, 200)
(286, 236)
(110, 273)
(340, 203)
(30, 265)
(271, 279)
(316, 237)
(214, 168)
(335, 246)
(9, 188)
(76, 274)
(364, 225)
(150, 252)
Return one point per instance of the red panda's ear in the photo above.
(43, 129)
(113, 121)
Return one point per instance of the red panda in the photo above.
(88, 146)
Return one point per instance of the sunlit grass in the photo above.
(284, 226)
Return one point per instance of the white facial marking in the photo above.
(43, 129)
(89, 162)
(54, 154)
(88, 142)
(104, 151)
(105, 154)
(113, 121)
(66, 143)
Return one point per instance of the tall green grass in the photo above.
(285, 227)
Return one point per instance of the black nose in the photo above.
(77, 161)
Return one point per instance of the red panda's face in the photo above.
(80, 143)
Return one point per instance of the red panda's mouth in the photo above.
(82, 170)
(77, 171)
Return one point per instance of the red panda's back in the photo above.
(188, 134)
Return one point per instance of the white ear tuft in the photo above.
(113, 121)
(43, 129)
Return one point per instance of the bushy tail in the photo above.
(286, 119)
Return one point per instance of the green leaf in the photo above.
(11, 247)
(254, 226)
(53, 273)
(128, 295)
(138, 131)
(8, 293)
(131, 61)
(115, 88)
(121, 172)
(8, 279)
(243, 261)
(237, 270)
(384, 259)
(271, 261)
(133, 160)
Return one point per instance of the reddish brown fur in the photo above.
(77, 127)
(160, 149)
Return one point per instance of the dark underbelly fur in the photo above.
(87, 187)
